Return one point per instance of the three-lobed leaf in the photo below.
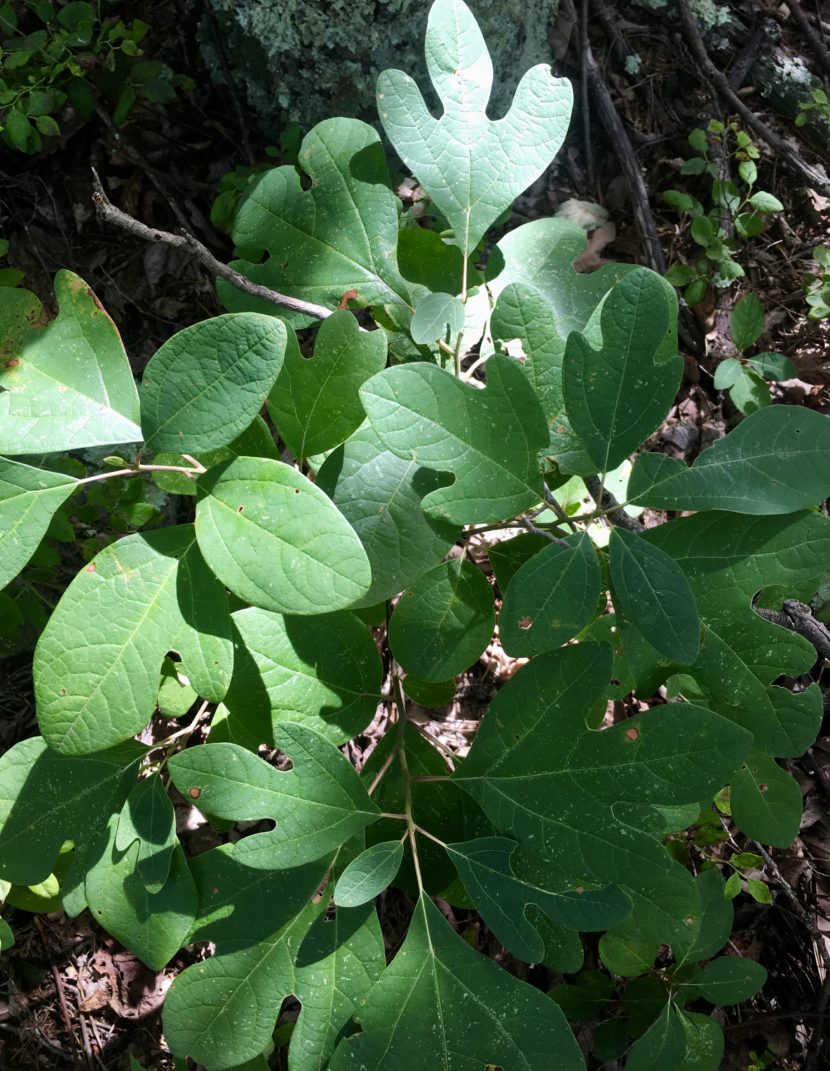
(317, 805)
(471, 166)
(440, 997)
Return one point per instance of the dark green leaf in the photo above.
(746, 324)
(766, 801)
(437, 316)
(620, 377)
(728, 980)
(443, 623)
(773, 462)
(441, 998)
(550, 598)
(98, 660)
(323, 671)
(380, 495)
(651, 590)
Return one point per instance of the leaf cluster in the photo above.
(361, 510)
(59, 55)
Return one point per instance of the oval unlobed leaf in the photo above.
(369, 874)
(471, 166)
(489, 439)
(728, 980)
(437, 316)
(775, 461)
(315, 402)
(206, 384)
(68, 384)
(380, 495)
(29, 498)
(444, 622)
(276, 540)
(98, 660)
(323, 671)
(550, 598)
(653, 593)
(766, 801)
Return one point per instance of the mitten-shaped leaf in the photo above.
(441, 997)
(380, 496)
(502, 896)
(29, 498)
(651, 590)
(317, 805)
(775, 461)
(47, 799)
(471, 166)
(276, 540)
(339, 235)
(728, 559)
(323, 671)
(66, 385)
(489, 439)
(315, 402)
(550, 598)
(542, 776)
(444, 622)
(222, 1011)
(206, 384)
(98, 660)
(152, 924)
(619, 377)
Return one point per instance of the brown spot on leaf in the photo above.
(762, 787)
(525, 623)
(92, 568)
(689, 919)
(346, 297)
(239, 509)
(194, 792)
(62, 691)
(632, 733)
(13, 362)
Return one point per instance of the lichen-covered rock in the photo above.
(707, 12)
(309, 59)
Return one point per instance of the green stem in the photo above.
(407, 780)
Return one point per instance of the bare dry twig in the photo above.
(108, 213)
(813, 176)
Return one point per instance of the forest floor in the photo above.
(71, 996)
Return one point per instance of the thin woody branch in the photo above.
(108, 213)
(813, 176)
